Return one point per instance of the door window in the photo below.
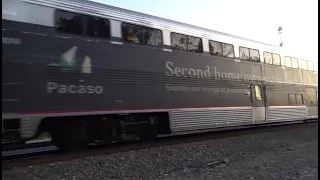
(258, 92)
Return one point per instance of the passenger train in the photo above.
(86, 72)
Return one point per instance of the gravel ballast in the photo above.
(280, 155)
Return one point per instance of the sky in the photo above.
(253, 19)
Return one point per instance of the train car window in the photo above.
(310, 65)
(303, 65)
(194, 44)
(254, 55)
(258, 92)
(186, 43)
(244, 53)
(287, 61)
(141, 34)
(299, 99)
(267, 57)
(227, 50)
(98, 27)
(221, 49)
(295, 63)
(179, 41)
(215, 48)
(315, 67)
(276, 59)
(292, 99)
(69, 22)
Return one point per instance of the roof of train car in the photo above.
(109, 8)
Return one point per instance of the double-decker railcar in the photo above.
(85, 71)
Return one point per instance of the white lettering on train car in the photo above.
(53, 87)
(187, 72)
(207, 72)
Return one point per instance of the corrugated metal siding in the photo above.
(184, 120)
(286, 113)
(29, 126)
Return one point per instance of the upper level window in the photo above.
(215, 48)
(267, 57)
(315, 67)
(254, 55)
(69, 22)
(249, 54)
(141, 34)
(271, 58)
(287, 61)
(276, 59)
(310, 66)
(227, 50)
(98, 27)
(221, 49)
(244, 53)
(186, 43)
(291, 62)
(295, 63)
(303, 65)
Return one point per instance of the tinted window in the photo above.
(254, 55)
(295, 63)
(98, 27)
(194, 44)
(276, 59)
(258, 92)
(299, 99)
(227, 50)
(287, 61)
(267, 57)
(292, 99)
(215, 48)
(186, 43)
(179, 41)
(69, 22)
(310, 65)
(303, 65)
(142, 35)
(244, 53)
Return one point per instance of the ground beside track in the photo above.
(287, 154)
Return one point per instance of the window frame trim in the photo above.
(308, 65)
(295, 98)
(221, 48)
(127, 41)
(84, 19)
(264, 58)
(259, 60)
(74, 13)
(272, 58)
(188, 41)
(291, 62)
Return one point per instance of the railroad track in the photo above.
(50, 154)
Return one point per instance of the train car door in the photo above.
(258, 102)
